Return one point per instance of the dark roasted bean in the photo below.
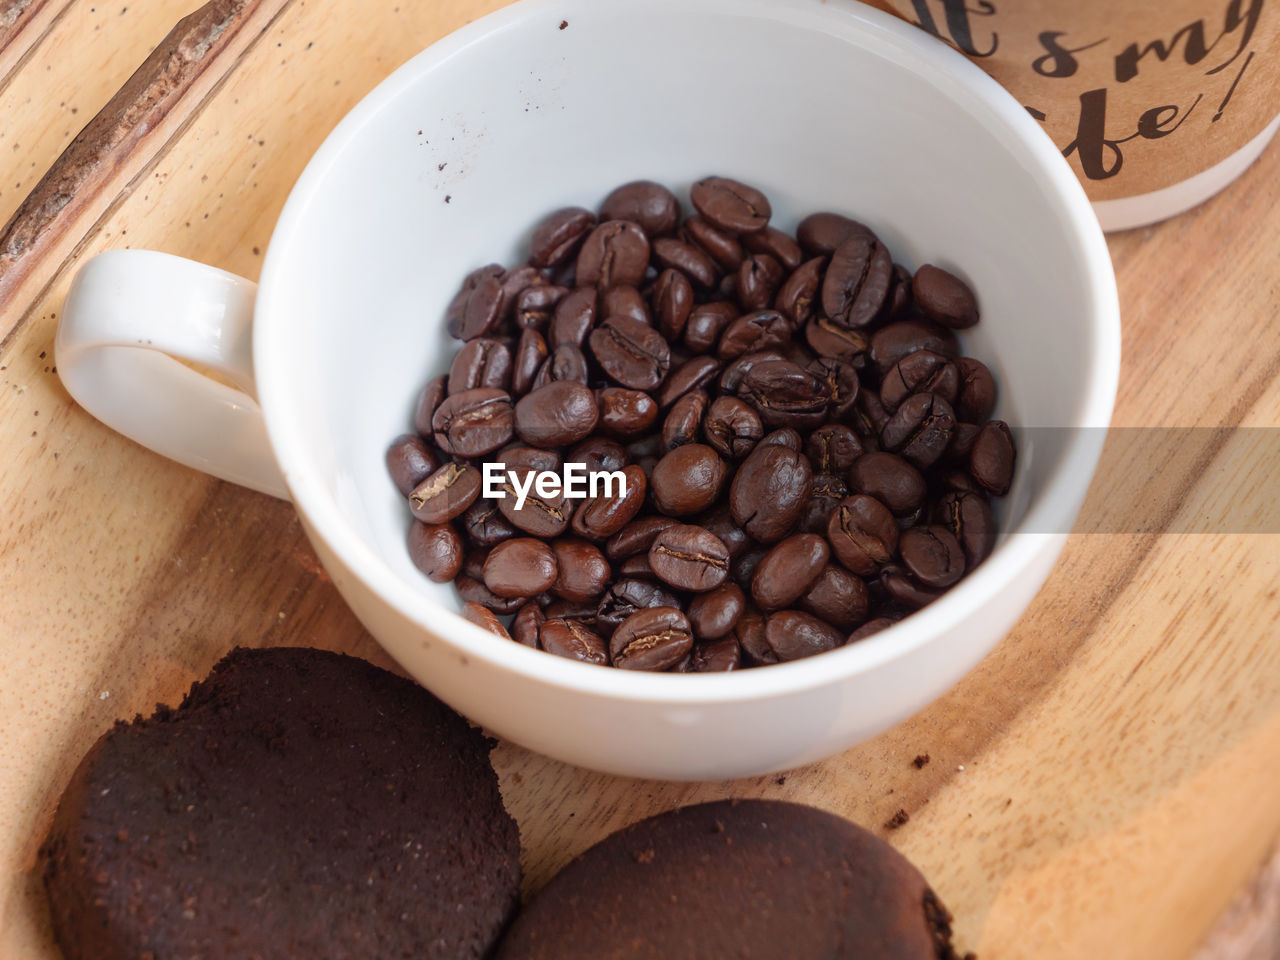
(578, 612)
(521, 567)
(485, 619)
(474, 422)
(776, 244)
(480, 363)
(759, 278)
(526, 624)
(615, 252)
(783, 437)
(625, 597)
(692, 375)
(788, 570)
(921, 372)
(436, 550)
(944, 297)
(625, 302)
(932, 555)
(690, 558)
(724, 248)
(769, 490)
(715, 613)
(512, 285)
(716, 656)
(474, 311)
(686, 259)
(822, 233)
(446, 493)
(731, 205)
(977, 394)
(582, 571)
(857, 281)
(890, 344)
(732, 376)
(749, 632)
(625, 413)
(961, 445)
(829, 339)
(564, 364)
(992, 458)
(428, 401)
(559, 414)
(410, 461)
(753, 332)
(684, 421)
(472, 590)
(538, 516)
(473, 563)
(837, 596)
(651, 205)
(706, 323)
(535, 305)
(687, 480)
(732, 427)
(833, 448)
(531, 354)
(600, 517)
(572, 640)
(902, 589)
(654, 639)
(672, 303)
(920, 429)
(794, 634)
(828, 490)
(637, 568)
(968, 516)
(598, 453)
(798, 294)
(870, 628)
(785, 394)
(863, 534)
(637, 536)
(890, 479)
(632, 354)
(485, 525)
(557, 236)
(573, 319)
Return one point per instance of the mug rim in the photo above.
(1018, 547)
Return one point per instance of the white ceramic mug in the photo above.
(824, 105)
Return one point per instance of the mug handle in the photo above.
(130, 317)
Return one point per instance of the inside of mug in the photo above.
(460, 154)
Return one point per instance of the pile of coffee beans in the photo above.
(807, 456)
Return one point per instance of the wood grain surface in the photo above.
(1102, 785)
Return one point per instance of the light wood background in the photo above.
(1104, 784)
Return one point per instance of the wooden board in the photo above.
(1102, 785)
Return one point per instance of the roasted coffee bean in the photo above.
(732, 427)
(561, 413)
(564, 364)
(531, 354)
(902, 589)
(474, 311)
(615, 252)
(921, 372)
(572, 640)
(716, 656)
(522, 567)
(944, 297)
(828, 491)
(535, 305)
(600, 517)
(651, 205)
(830, 339)
(541, 517)
(715, 613)
(788, 570)
(794, 634)
(429, 400)
(632, 354)
(637, 537)
(672, 303)
(687, 260)
(723, 247)
(484, 619)
(446, 493)
(870, 628)
(625, 413)
(583, 613)
(485, 525)
(961, 445)
(783, 437)
(785, 394)
(731, 205)
(968, 516)
(734, 372)
(637, 568)
(899, 292)
(557, 236)
(690, 558)
(653, 639)
(837, 597)
(692, 375)
(833, 448)
(721, 524)
(626, 597)
(598, 453)
(625, 302)
(474, 422)
(684, 421)
(436, 550)
(753, 332)
(958, 480)
(890, 479)
(582, 571)
(977, 394)
(706, 323)
(573, 319)
(857, 281)
(480, 363)
(863, 534)
(646, 447)
(410, 461)
(687, 480)
(473, 562)
(472, 590)
(798, 295)
(776, 244)
(868, 418)
(822, 233)
(749, 632)
(920, 429)
(891, 343)
(526, 624)
(932, 555)
(759, 278)
(769, 490)
(992, 458)
(512, 285)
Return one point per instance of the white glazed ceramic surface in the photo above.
(823, 105)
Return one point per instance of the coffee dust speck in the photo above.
(257, 252)
(564, 24)
(448, 198)
(920, 761)
(441, 166)
(897, 820)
